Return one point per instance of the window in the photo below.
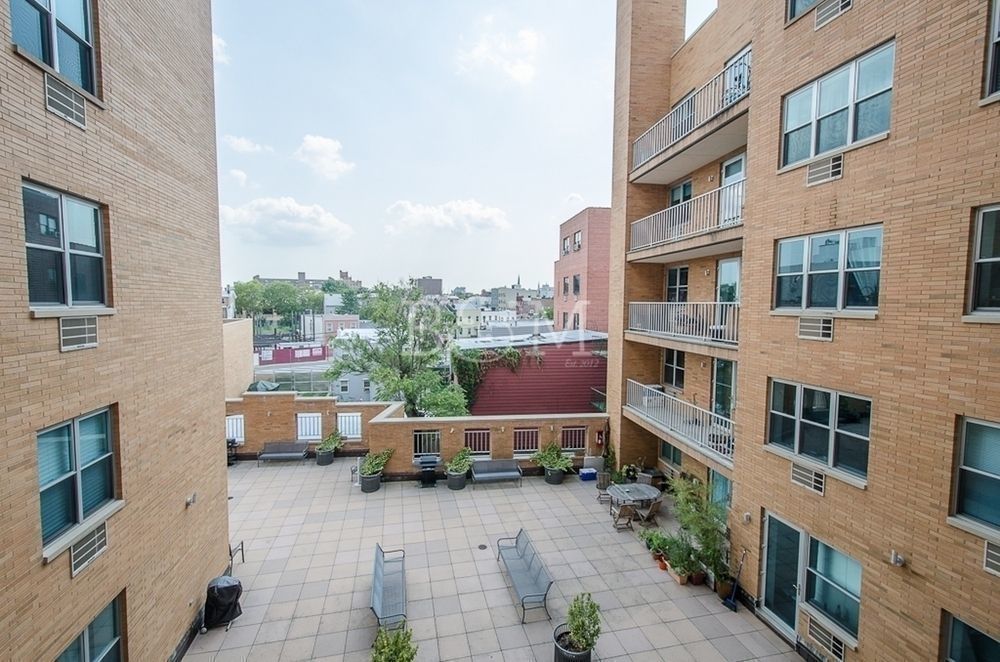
(576, 285)
(993, 72)
(673, 368)
(978, 493)
(720, 488)
(967, 644)
(845, 106)
(565, 320)
(723, 387)
(75, 472)
(986, 260)
(101, 641)
(565, 250)
(670, 453)
(345, 386)
(367, 384)
(829, 427)
(64, 240)
(677, 284)
(71, 52)
(680, 193)
(833, 585)
(577, 240)
(576, 321)
(798, 7)
(565, 285)
(835, 271)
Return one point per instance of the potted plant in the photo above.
(556, 464)
(705, 521)
(679, 554)
(326, 450)
(575, 639)
(394, 646)
(458, 467)
(371, 469)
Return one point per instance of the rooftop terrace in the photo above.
(310, 538)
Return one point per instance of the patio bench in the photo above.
(494, 471)
(283, 450)
(389, 587)
(528, 575)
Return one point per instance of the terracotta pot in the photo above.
(698, 578)
(662, 562)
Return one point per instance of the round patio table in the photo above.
(633, 492)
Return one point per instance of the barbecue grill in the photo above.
(428, 469)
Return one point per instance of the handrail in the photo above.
(714, 210)
(699, 428)
(716, 322)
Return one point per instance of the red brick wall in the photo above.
(591, 263)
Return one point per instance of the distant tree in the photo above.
(310, 299)
(548, 313)
(349, 304)
(249, 298)
(405, 357)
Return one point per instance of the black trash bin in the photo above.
(222, 606)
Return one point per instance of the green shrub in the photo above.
(584, 622)
(551, 457)
(374, 463)
(462, 461)
(333, 442)
(705, 523)
(394, 646)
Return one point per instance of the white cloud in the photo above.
(323, 156)
(244, 145)
(512, 54)
(462, 215)
(219, 53)
(283, 221)
(239, 176)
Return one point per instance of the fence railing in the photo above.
(717, 322)
(310, 426)
(525, 441)
(235, 429)
(349, 425)
(704, 430)
(478, 441)
(573, 438)
(722, 91)
(719, 208)
(426, 442)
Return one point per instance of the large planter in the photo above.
(563, 655)
(324, 458)
(698, 578)
(371, 483)
(554, 477)
(724, 588)
(456, 481)
(680, 579)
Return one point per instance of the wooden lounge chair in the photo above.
(623, 515)
(603, 483)
(647, 516)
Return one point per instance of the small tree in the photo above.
(394, 646)
(584, 622)
(705, 521)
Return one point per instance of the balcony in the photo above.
(716, 210)
(711, 323)
(699, 429)
(713, 103)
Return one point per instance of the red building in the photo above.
(581, 272)
(559, 373)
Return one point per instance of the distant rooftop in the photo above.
(529, 340)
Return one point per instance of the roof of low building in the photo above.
(530, 340)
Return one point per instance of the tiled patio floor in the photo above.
(310, 538)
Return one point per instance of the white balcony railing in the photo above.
(717, 209)
(717, 322)
(707, 432)
(722, 91)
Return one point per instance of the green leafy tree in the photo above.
(405, 357)
(309, 299)
(249, 298)
(350, 304)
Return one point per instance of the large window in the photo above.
(843, 107)
(830, 271)
(967, 644)
(75, 472)
(65, 246)
(978, 493)
(798, 7)
(565, 285)
(993, 59)
(673, 368)
(681, 193)
(833, 585)
(986, 260)
(677, 284)
(565, 246)
(577, 240)
(100, 642)
(58, 33)
(720, 488)
(670, 453)
(825, 426)
(576, 284)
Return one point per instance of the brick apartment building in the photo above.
(428, 286)
(581, 272)
(113, 484)
(805, 290)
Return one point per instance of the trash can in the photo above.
(222, 606)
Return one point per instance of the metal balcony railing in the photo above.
(722, 91)
(699, 428)
(719, 208)
(716, 322)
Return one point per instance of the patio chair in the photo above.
(603, 483)
(644, 478)
(623, 515)
(647, 517)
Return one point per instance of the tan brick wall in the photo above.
(922, 366)
(148, 157)
(237, 355)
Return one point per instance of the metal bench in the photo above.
(389, 587)
(494, 471)
(283, 450)
(529, 577)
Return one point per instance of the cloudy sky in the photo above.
(409, 138)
